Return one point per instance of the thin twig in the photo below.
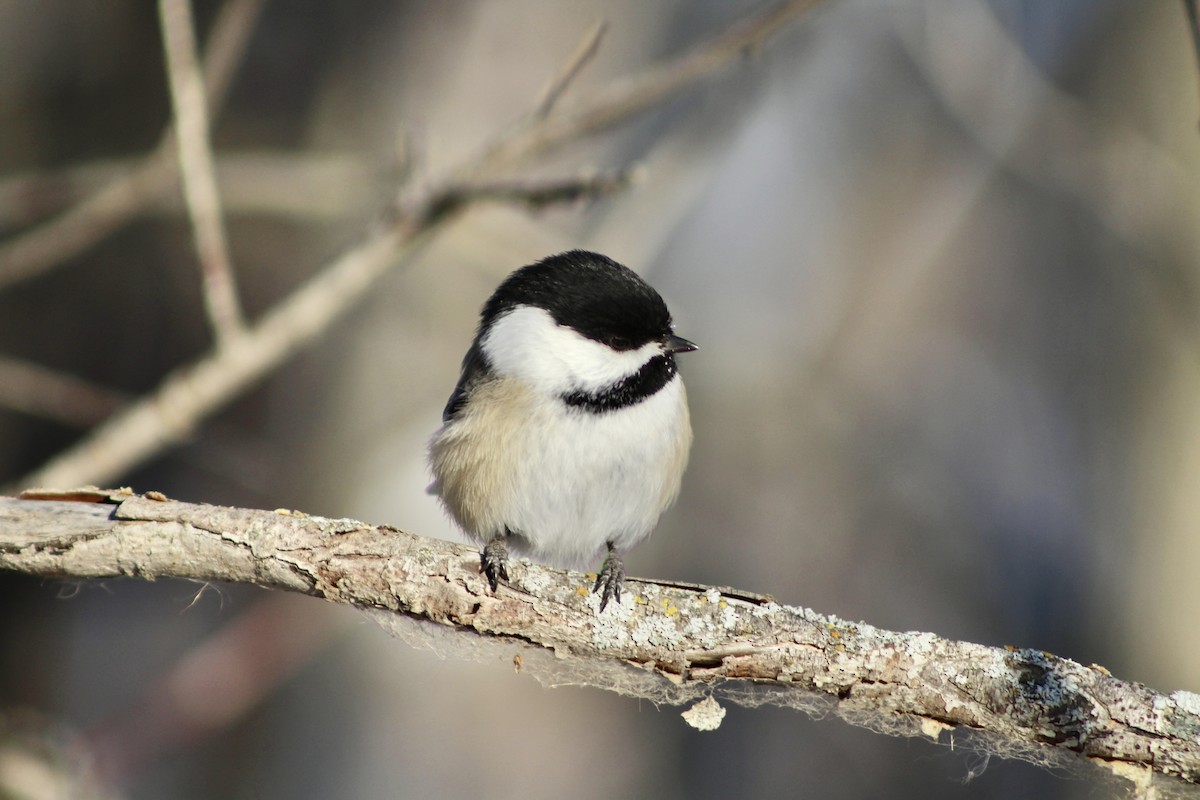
(1193, 15)
(197, 172)
(53, 242)
(45, 393)
(56, 240)
(580, 57)
(301, 184)
(191, 393)
(188, 395)
(225, 47)
(538, 195)
(622, 99)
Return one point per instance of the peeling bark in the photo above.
(667, 642)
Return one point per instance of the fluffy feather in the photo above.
(569, 428)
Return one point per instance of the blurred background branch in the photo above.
(196, 170)
(309, 186)
(1193, 15)
(105, 210)
(194, 392)
(36, 390)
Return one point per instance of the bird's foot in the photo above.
(493, 561)
(611, 577)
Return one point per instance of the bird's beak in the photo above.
(677, 344)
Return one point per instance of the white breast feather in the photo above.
(565, 479)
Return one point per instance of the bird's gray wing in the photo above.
(475, 370)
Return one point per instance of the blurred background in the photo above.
(940, 258)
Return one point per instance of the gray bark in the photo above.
(666, 642)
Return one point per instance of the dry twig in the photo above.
(45, 393)
(1190, 8)
(197, 171)
(192, 392)
(306, 185)
(79, 227)
(583, 53)
(622, 99)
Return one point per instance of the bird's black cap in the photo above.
(591, 293)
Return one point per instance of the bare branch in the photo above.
(45, 393)
(193, 392)
(574, 120)
(78, 228)
(580, 57)
(225, 47)
(314, 185)
(665, 643)
(188, 395)
(1190, 7)
(536, 195)
(197, 172)
(52, 242)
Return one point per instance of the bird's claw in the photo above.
(611, 577)
(493, 561)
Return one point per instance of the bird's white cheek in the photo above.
(527, 343)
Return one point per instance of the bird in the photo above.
(568, 432)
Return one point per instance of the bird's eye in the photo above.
(620, 343)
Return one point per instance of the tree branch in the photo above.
(568, 121)
(188, 395)
(194, 391)
(49, 394)
(197, 172)
(1193, 18)
(79, 227)
(667, 643)
(306, 185)
(583, 53)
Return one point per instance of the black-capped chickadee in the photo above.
(568, 431)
